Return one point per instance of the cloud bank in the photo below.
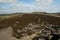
(36, 6)
(8, 1)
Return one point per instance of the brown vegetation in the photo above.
(20, 22)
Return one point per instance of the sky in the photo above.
(14, 6)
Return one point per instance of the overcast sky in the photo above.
(12, 6)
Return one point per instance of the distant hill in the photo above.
(58, 14)
(4, 14)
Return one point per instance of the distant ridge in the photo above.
(30, 13)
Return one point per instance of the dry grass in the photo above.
(21, 21)
(25, 19)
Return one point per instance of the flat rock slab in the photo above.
(5, 34)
